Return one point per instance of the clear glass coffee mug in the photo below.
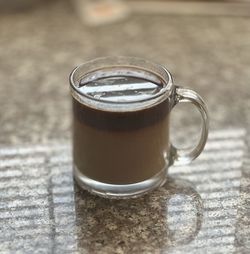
(121, 112)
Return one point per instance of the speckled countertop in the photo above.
(204, 207)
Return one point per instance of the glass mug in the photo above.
(121, 112)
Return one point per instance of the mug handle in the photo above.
(185, 156)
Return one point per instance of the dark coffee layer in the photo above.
(120, 121)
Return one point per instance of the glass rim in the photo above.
(91, 67)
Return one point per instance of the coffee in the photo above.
(120, 146)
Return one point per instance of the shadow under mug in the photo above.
(121, 112)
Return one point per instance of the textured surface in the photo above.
(195, 211)
(204, 208)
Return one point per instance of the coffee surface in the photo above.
(120, 89)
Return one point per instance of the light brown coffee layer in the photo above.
(121, 157)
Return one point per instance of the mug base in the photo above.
(119, 191)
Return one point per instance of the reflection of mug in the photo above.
(170, 217)
(121, 107)
(184, 211)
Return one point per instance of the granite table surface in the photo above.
(203, 208)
